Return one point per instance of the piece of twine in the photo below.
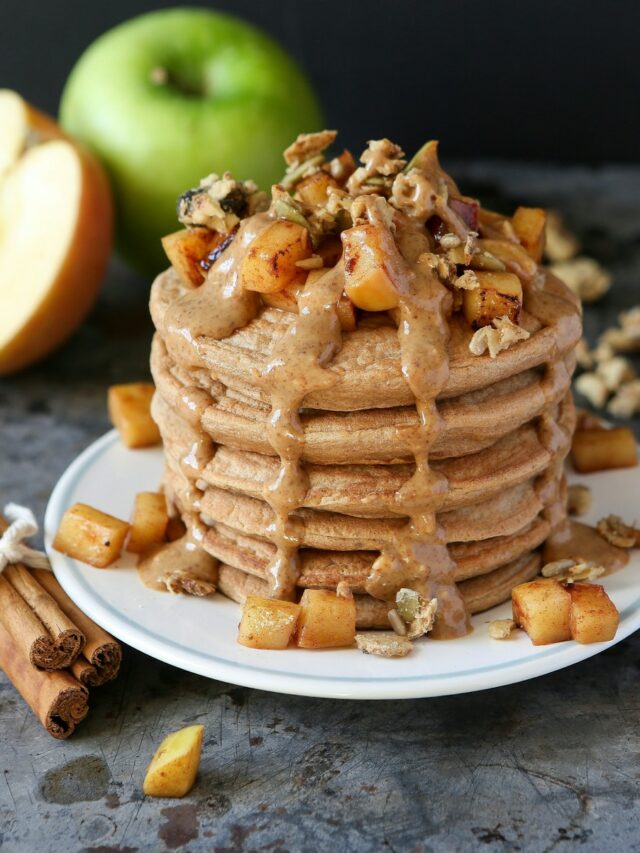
(13, 548)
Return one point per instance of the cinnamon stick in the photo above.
(45, 635)
(58, 700)
(102, 655)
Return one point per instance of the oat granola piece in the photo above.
(343, 590)
(593, 387)
(579, 499)
(381, 162)
(308, 145)
(626, 338)
(424, 618)
(385, 644)
(584, 276)
(501, 629)
(219, 203)
(626, 402)
(467, 281)
(450, 241)
(502, 334)
(617, 533)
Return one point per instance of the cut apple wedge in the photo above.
(55, 234)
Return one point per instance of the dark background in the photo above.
(556, 81)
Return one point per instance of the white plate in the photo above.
(199, 634)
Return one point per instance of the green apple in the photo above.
(167, 98)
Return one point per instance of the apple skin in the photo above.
(233, 100)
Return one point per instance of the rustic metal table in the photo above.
(547, 764)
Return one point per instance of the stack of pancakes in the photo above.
(506, 427)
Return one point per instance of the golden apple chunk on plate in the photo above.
(55, 233)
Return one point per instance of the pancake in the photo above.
(366, 372)
(471, 422)
(354, 434)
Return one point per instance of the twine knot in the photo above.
(13, 549)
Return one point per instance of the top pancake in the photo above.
(366, 371)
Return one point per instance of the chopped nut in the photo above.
(396, 622)
(603, 351)
(470, 246)
(569, 571)
(450, 241)
(467, 281)
(385, 644)
(560, 243)
(308, 145)
(593, 387)
(584, 276)
(626, 403)
(579, 499)
(315, 262)
(343, 590)
(617, 533)
(627, 337)
(615, 371)
(584, 356)
(500, 336)
(424, 619)
(407, 603)
(501, 629)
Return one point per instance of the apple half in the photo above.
(56, 224)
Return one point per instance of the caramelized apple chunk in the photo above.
(89, 535)
(187, 249)
(267, 623)
(603, 449)
(370, 270)
(270, 263)
(148, 523)
(530, 224)
(594, 617)
(499, 294)
(326, 620)
(543, 608)
(130, 413)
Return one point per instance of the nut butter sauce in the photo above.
(417, 556)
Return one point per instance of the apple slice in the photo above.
(55, 234)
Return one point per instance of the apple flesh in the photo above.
(55, 234)
(173, 95)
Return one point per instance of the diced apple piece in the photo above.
(513, 256)
(285, 299)
(341, 167)
(603, 449)
(270, 262)
(499, 295)
(174, 767)
(594, 617)
(543, 608)
(90, 535)
(313, 190)
(369, 269)
(185, 249)
(530, 225)
(267, 623)
(326, 620)
(130, 413)
(149, 522)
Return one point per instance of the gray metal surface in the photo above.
(550, 764)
